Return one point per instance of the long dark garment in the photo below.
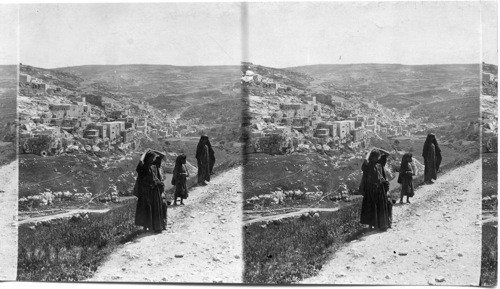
(432, 158)
(179, 177)
(149, 210)
(206, 160)
(375, 208)
(406, 177)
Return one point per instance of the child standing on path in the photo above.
(406, 178)
(179, 177)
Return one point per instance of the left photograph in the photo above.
(129, 142)
(8, 163)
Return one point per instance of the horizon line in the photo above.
(241, 63)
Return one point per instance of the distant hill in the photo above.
(149, 81)
(53, 76)
(396, 85)
(287, 77)
(8, 92)
(490, 68)
(490, 87)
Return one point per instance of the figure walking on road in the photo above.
(179, 178)
(374, 208)
(206, 160)
(149, 212)
(432, 158)
(405, 178)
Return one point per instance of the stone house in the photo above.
(103, 130)
(23, 78)
(343, 128)
(357, 135)
(113, 129)
(91, 133)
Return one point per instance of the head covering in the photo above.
(405, 160)
(160, 156)
(150, 158)
(374, 156)
(431, 139)
(203, 141)
(180, 160)
(143, 156)
(382, 152)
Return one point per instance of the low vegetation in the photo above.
(489, 256)
(72, 250)
(287, 251)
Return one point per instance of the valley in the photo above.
(95, 121)
(308, 130)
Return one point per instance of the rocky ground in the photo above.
(8, 220)
(436, 240)
(203, 241)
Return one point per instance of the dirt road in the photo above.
(8, 221)
(203, 242)
(435, 240)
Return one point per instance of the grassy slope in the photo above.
(265, 173)
(8, 85)
(222, 119)
(489, 257)
(68, 250)
(146, 81)
(291, 250)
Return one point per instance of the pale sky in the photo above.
(489, 19)
(57, 35)
(8, 34)
(280, 34)
(293, 34)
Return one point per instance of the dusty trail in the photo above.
(435, 240)
(203, 242)
(8, 221)
(67, 214)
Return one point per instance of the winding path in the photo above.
(8, 221)
(203, 242)
(436, 240)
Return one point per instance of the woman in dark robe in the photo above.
(160, 157)
(374, 208)
(206, 160)
(179, 178)
(149, 213)
(383, 161)
(432, 158)
(406, 178)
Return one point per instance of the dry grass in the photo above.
(289, 251)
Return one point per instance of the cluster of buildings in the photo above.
(268, 84)
(37, 84)
(337, 124)
(106, 125)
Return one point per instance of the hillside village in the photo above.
(489, 108)
(285, 118)
(53, 120)
(74, 128)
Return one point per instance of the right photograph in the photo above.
(371, 143)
